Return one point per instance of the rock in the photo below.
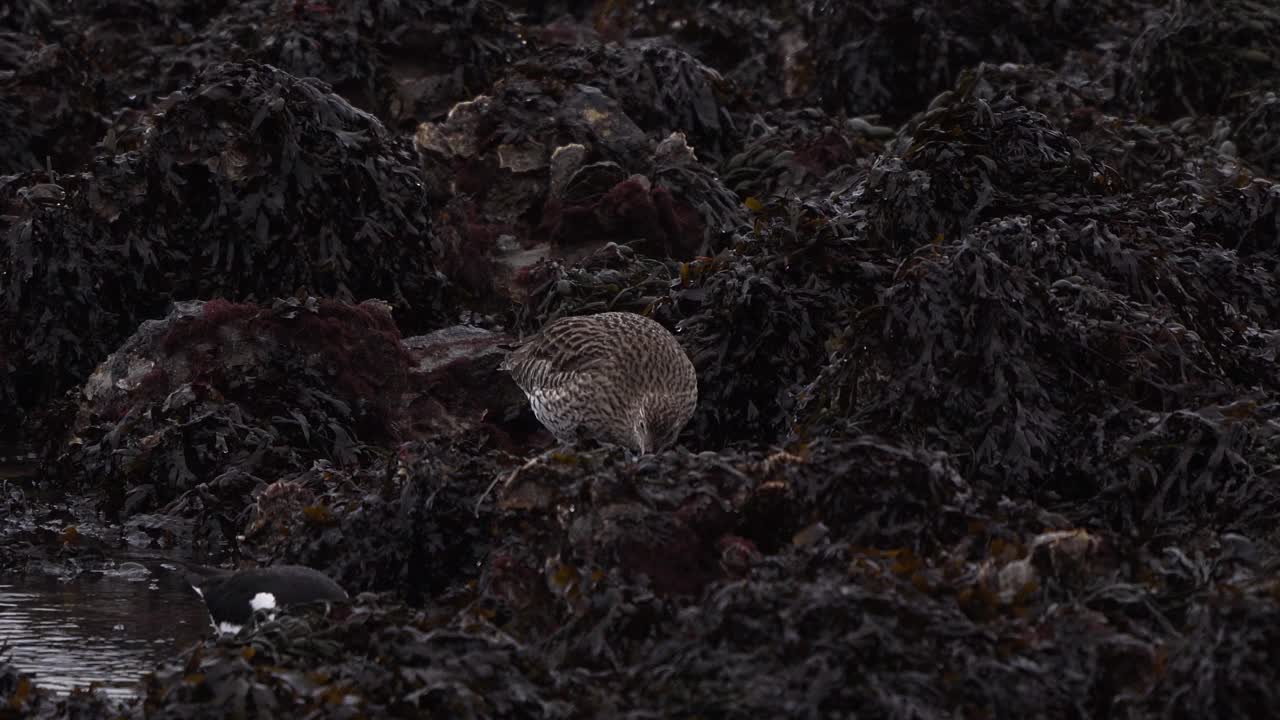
(456, 388)
(217, 393)
(291, 190)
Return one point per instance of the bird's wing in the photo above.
(563, 350)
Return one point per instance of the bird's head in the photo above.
(658, 423)
(205, 579)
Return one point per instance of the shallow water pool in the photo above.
(109, 626)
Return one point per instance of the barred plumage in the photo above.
(616, 377)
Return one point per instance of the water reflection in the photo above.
(107, 627)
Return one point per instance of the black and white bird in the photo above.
(233, 596)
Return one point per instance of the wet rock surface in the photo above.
(982, 302)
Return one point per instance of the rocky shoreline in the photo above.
(982, 299)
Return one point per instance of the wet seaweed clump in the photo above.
(21, 698)
(372, 657)
(405, 524)
(18, 695)
(1194, 57)
(970, 160)
(760, 48)
(803, 154)
(252, 184)
(280, 150)
(47, 102)
(1059, 323)
(662, 88)
(1257, 134)
(889, 55)
(1081, 100)
(403, 62)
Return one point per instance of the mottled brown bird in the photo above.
(615, 377)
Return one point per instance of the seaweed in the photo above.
(194, 408)
(889, 54)
(47, 104)
(982, 301)
(410, 529)
(1196, 57)
(662, 88)
(251, 185)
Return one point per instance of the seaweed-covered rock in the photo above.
(1070, 98)
(252, 184)
(662, 88)
(26, 17)
(1229, 630)
(444, 52)
(982, 300)
(757, 336)
(1196, 57)
(886, 55)
(968, 160)
(258, 157)
(501, 179)
(370, 657)
(677, 209)
(761, 48)
(577, 174)
(401, 62)
(407, 524)
(1011, 338)
(47, 102)
(218, 394)
(404, 62)
(802, 153)
(1080, 101)
(1257, 134)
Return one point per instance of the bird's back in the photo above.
(567, 347)
(230, 595)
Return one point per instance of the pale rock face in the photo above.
(615, 377)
